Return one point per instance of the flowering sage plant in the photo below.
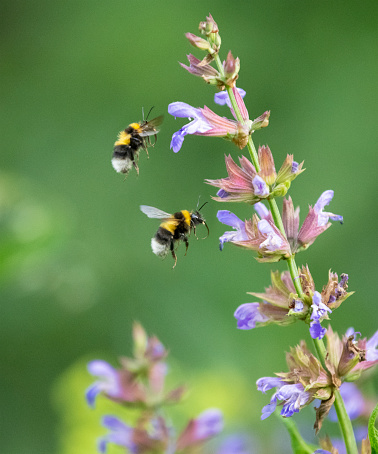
(324, 375)
(274, 236)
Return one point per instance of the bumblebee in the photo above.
(175, 228)
(130, 141)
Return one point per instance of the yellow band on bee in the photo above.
(123, 138)
(186, 216)
(169, 225)
(135, 126)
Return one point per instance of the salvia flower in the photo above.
(109, 382)
(209, 74)
(316, 222)
(140, 381)
(306, 380)
(348, 357)
(239, 233)
(120, 434)
(208, 424)
(319, 312)
(207, 123)
(281, 305)
(244, 184)
(261, 236)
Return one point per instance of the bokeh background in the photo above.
(76, 266)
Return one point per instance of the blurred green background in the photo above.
(76, 266)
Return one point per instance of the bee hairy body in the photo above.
(130, 141)
(175, 228)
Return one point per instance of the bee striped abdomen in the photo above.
(161, 242)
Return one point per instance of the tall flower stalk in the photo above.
(275, 237)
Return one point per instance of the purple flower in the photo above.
(207, 123)
(273, 242)
(120, 434)
(319, 312)
(264, 384)
(247, 315)
(109, 382)
(208, 424)
(235, 444)
(260, 187)
(198, 125)
(319, 309)
(228, 218)
(222, 97)
(261, 210)
(323, 216)
(293, 396)
(371, 348)
(317, 331)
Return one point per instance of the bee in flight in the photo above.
(174, 228)
(130, 141)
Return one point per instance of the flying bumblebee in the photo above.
(175, 227)
(130, 141)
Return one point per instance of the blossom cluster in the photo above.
(140, 383)
(308, 380)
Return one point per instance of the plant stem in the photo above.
(343, 418)
(345, 424)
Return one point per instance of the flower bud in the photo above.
(281, 190)
(231, 68)
(210, 29)
(198, 42)
(268, 171)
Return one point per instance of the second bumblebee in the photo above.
(130, 141)
(175, 227)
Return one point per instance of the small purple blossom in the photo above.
(228, 218)
(298, 306)
(208, 424)
(264, 384)
(273, 241)
(121, 435)
(371, 348)
(235, 444)
(261, 189)
(109, 381)
(199, 124)
(261, 210)
(293, 396)
(247, 315)
(317, 331)
(324, 216)
(222, 97)
(319, 309)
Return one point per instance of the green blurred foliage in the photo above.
(76, 266)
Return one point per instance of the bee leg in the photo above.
(173, 254)
(136, 167)
(185, 240)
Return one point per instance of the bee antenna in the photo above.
(149, 113)
(199, 209)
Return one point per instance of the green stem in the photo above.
(345, 424)
(344, 420)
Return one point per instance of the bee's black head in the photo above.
(197, 218)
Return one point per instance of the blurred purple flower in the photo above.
(353, 400)
(319, 312)
(109, 382)
(208, 424)
(121, 435)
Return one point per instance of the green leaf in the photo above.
(373, 432)
(298, 445)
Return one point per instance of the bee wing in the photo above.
(150, 127)
(152, 212)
